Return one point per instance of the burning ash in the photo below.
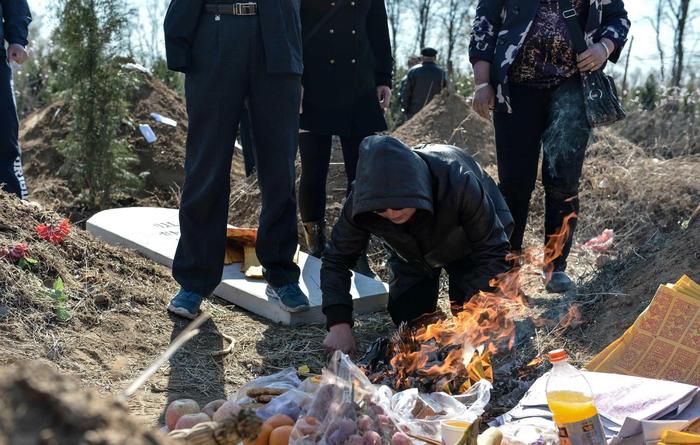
(439, 353)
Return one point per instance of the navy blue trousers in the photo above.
(228, 67)
(11, 177)
(554, 122)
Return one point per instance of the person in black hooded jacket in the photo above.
(434, 208)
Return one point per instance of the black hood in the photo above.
(390, 175)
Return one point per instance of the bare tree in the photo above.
(394, 11)
(423, 18)
(456, 17)
(657, 24)
(627, 66)
(680, 15)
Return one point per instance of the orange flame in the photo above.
(485, 320)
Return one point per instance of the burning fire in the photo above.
(442, 356)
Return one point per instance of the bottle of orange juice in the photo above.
(570, 399)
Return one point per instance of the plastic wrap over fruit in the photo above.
(421, 414)
(284, 380)
(346, 410)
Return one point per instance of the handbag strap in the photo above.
(329, 15)
(571, 17)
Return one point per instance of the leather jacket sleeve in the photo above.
(179, 28)
(487, 24)
(378, 34)
(15, 21)
(405, 93)
(615, 26)
(341, 254)
(485, 233)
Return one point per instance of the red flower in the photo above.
(54, 233)
(15, 254)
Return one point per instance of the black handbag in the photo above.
(599, 93)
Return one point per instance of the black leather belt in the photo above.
(232, 8)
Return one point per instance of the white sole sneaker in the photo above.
(182, 312)
(272, 295)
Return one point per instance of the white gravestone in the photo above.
(154, 232)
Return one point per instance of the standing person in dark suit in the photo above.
(422, 83)
(233, 53)
(14, 24)
(347, 81)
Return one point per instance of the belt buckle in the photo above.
(569, 13)
(245, 8)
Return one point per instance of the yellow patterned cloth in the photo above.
(664, 341)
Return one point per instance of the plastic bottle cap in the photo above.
(557, 355)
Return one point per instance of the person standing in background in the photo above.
(422, 83)
(347, 84)
(527, 71)
(235, 54)
(14, 29)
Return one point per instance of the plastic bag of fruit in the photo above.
(422, 414)
(348, 410)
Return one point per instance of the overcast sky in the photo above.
(644, 54)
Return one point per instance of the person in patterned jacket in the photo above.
(527, 72)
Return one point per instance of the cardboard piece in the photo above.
(154, 232)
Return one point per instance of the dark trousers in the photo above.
(414, 290)
(315, 153)
(555, 121)
(11, 176)
(246, 137)
(228, 67)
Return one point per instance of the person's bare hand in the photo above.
(384, 96)
(16, 53)
(340, 338)
(484, 101)
(592, 59)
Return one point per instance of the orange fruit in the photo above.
(279, 420)
(280, 435)
(263, 437)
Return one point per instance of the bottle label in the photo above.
(585, 432)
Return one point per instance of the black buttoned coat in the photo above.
(344, 62)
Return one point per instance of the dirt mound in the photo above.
(117, 323)
(448, 119)
(160, 163)
(40, 405)
(623, 288)
(667, 131)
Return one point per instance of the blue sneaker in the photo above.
(186, 304)
(289, 296)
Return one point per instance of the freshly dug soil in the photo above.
(39, 405)
(448, 119)
(160, 163)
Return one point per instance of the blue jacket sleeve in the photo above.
(615, 26)
(16, 18)
(179, 27)
(487, 24)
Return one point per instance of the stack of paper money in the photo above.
(664, 342)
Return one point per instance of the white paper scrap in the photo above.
(163, 120)
(147, 133)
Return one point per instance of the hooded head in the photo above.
(390, 176)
